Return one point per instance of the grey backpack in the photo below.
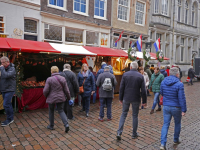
(107, 85)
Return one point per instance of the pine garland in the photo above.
(145, 57)
(19, 77)
(158, 57)
(129, 55)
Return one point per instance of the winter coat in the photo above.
(100, 81)
(163, 72)
(89, 84)
(148, 71)
(102, 70)
(8, 78)
(167, 70)
(131, 86)
(156, 84)
(191, 73)
(173, 93)
(146, 79)
(54, 91)
(72, 82)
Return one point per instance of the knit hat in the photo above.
(103, 63)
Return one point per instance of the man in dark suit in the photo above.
(131, 87)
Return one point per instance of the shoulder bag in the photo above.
(152, 84)
(81, 89)
(59, 82)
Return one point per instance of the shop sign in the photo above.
(17, 33)
(33, 1)
(104, 39)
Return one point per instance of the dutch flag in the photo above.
(139, 43)
(157, 45)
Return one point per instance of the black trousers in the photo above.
(68, 110)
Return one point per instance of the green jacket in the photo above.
(148, 71)
(157, 82)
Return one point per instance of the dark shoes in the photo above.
(67, 129)
(135, 137)
(72, 118)
(6, 123)
(82, 110)
(50, 128)
(119, 137)
(87, 115)
(152, 111)
(176, 143)
(159, 109)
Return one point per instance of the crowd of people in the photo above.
(137, 83)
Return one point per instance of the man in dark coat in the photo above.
(72, 83)
(106, 95)
(8, 87)
(191, 74)
(131, 88)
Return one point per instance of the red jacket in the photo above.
(167, 72)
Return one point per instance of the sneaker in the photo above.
(109, 119)
(159, 109)
(162, 147)
(72, 118)
(176, 143)
(152, 111)
(3, 122)
(100, 119)
(119, 137)
(87, 115)
(50, 128)
(6, 123)
(135, 137)
(67, 129)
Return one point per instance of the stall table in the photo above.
(32, 99)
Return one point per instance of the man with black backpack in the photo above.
(106, 83)
(72, 83)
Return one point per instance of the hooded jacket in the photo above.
(163, 72)
(102, 70)
(8, 79)
(173, 93)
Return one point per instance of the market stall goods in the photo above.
(28, 84)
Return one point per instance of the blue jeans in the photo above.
(156, 101)
(86, 104)
(109, 105)
(94, 97)
(7, 104)
(168, 112)
(191, 81)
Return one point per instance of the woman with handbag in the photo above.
(55, 91)
(154, 87)
(86, 87)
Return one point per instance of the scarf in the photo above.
(85, 74)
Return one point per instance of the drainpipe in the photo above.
(172, 61)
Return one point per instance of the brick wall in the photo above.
(69, 13)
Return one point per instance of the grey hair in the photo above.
(5, 58)
(106, 68)
(174, 71)
(67, 66)
(134, 65)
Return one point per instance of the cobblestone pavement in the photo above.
(29, 129)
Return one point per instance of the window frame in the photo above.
(186, 16)
(49, 40)
(28, 33)
(105, 11)
(182, 46)
(144, 13)
(179, 6)
(97, 36)
(156, 4)
(64, 8)
(162, 12)
(86, 9)
(68, 42)
(4, 22)
(128, 11)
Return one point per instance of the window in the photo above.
(182, 53)
(58, 3)
(2, 25)
(165, 7)
(53, 32)
(123, 9)
(156, 9)
(179, 10)
(158, 35)
(186, 12)
(194, 14)
(151, 34)
(182, 41)
(104, 39)
(100, 8)
(73, 35)
(30, 29)
(92, 38)
(80, 6)
(139, 17)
